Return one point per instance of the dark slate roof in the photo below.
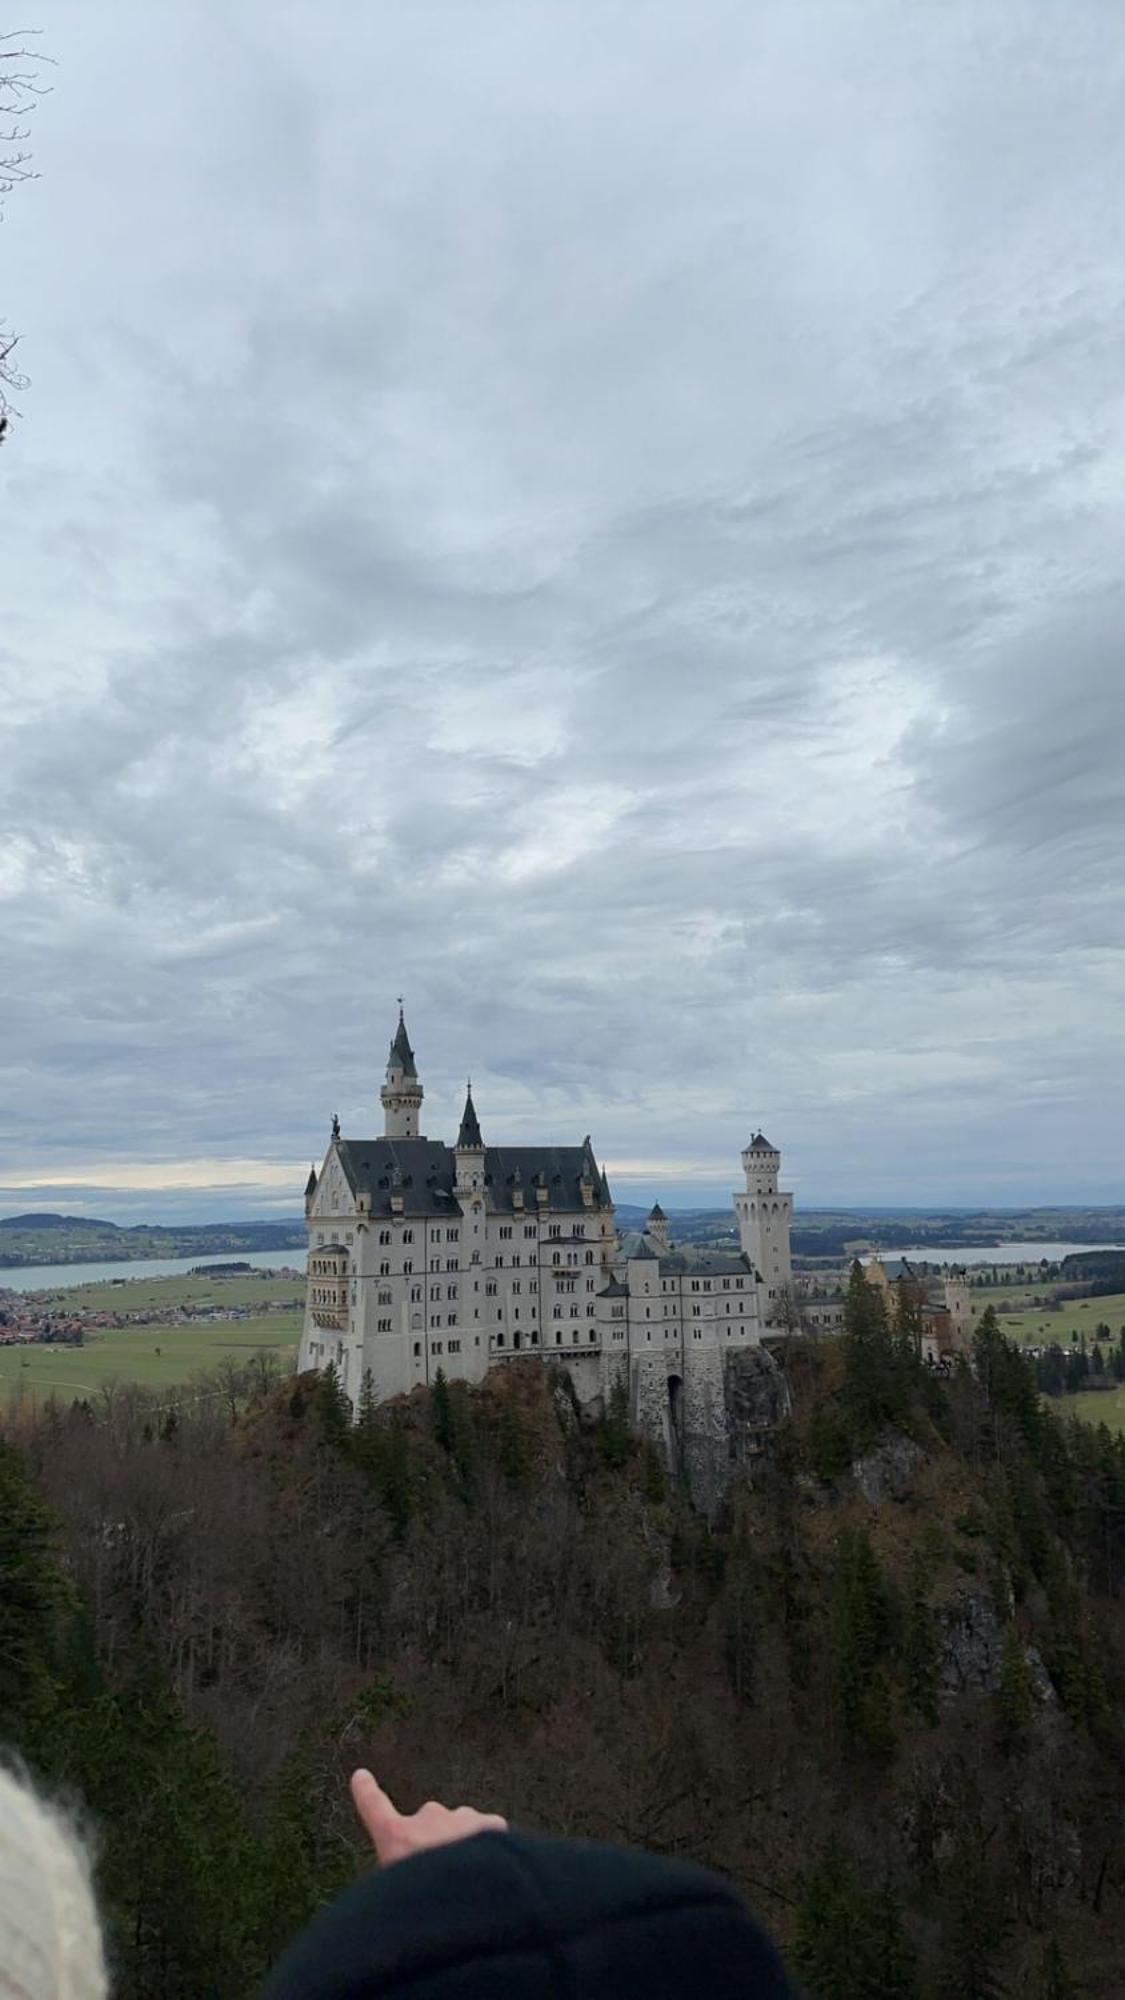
(656, 1213)
(428, 1171)
(705, 1264)
(401, 1051)
(614, 1290)
(310, 1184)
(469, 1135)
(635, 1244)
(760, 1144)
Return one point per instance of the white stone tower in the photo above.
(402, 1092)
(764, 1218)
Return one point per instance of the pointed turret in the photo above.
(310, 1189)
(469, 1155)
(402, 1092)
(469, 1135)
(657, 1226)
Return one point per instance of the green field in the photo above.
(1093, 1406)
(129, 1354)
(1039, 1329)
(142, 1294)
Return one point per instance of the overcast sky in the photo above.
(606, 519)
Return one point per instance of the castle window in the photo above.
(384, 1326)
(417, 1350)
(533, 1284)
(574, 1312)
(516, 1284)
(499, 1340)
(499, 1260)
(451, 1319)
(530, 1231)
(436, 1321)
(534, 1338)
(556, 1257)
(415, 1295)
(589, 1284)
(490, 1289)
(695, 1284)
(556, 1312)
(455, 1347)
(408, 1236)
(505, 1230)
(558, 1340)
(451, 1291)
(515, 1312)
(593, 1333)
(408, 1265)
(435, 1291)
(554, 1229)
(384, 1270)
(696, 1310)
(589, 1256)
(452, 1235)
(516, 1261)
(435, 1347)
(385, 1298)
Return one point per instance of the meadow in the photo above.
(129, 1295)
(1036, 1328)
(153, 1355)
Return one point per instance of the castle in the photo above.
(424, 1256)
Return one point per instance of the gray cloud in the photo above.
(610, 526)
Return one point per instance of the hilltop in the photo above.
(80, 1239)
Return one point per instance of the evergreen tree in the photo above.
(861, 1627)
(1055, 1982)
(849, 1942)
(33, 1595)
(614, 1434)
(332, 1407)
(919, 1648)
(441, 1414)
(1013, 1697)
(877, 1367)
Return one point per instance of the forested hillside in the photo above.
(883, 1691)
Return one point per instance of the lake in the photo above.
(996, 1253)
(49, 1277)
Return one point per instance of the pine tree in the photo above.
(332, 1407)
(849, 1942)
(919, 1648)
(862, 1626)
(441, 1414)
(33, 1596)
(1055, 1982)
(1014, 1694)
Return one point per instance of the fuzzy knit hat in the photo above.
(50, 1942)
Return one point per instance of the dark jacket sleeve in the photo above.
(530, 1919)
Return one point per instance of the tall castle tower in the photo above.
(764, 1217)
(402, 1092)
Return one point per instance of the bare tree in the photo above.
(20, 89)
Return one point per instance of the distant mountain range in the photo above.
(42, 1238)
(84, 1239)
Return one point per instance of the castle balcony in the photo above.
(331, 1317)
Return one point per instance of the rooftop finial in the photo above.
(335, 1125)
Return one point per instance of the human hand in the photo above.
(394, 1835)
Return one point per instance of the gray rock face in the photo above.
(972, 1643)
(887, 1471)
(755, 1391)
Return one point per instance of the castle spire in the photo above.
(469, 1135)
